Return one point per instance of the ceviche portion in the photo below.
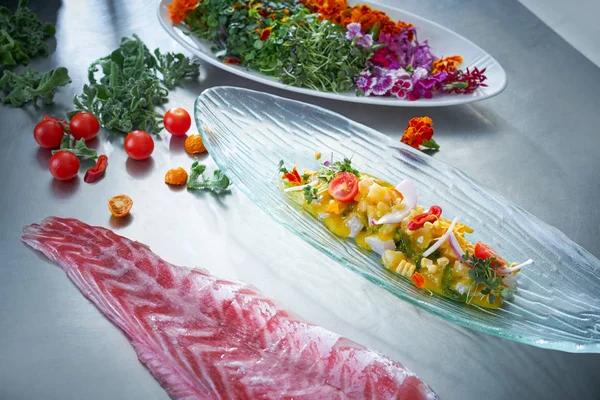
(415, 242)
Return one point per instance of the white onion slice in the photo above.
(510, 281)
(510, 270)
(409, 192)
(441, 240)
(379, 246)
(355, 225)
(458, 251)
(301, 187)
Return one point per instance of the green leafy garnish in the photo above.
(299, 49)
(22, 35)
(175, 67)
(281, 167)
(327, 172)
(32, 85)
(431, 145)
(79, 149)
(196, 180)
(482, 273)
(125, 96)
(310, 194)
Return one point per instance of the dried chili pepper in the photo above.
(94, 173)
(431, 216)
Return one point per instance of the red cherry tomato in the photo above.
(343, 187)
(64, 165)
(84, 125)
(48, 134)
(139, 145)
(484, 252)
(177, 121)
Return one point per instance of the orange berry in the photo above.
(194, 144)
(120, 205)
(176, 176)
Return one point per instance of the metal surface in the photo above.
(536, 144)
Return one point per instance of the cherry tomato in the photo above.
(48, 134)
(84, 125)
(64, 165)
(343, 187)
(484, 252)
(139, 145)
(177, 121)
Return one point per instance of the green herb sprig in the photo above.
(482, 273)
(310, 194)
(32, 86)
(78, 147)
(129, 89)
(327, 172)
(299, 49)
(22, 35)
(196, 180)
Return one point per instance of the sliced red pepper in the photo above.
(293, 177)
(94, 173)
(431, 216)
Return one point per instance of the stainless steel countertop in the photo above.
(536, 144)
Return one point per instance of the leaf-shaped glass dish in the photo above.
(558, 303)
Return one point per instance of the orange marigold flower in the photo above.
(447, 64)
(293, 177)
(180, 8)
(419, 132)
(339, 12)
(418, 280)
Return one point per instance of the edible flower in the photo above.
(419, 132)
(339, 12)
(179, 9)
(446, 64)
(293, 177)
(264, 35)
(418, 280)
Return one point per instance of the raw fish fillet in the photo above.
(208, 338)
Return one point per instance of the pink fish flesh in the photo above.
(208, 338)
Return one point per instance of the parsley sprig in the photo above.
(197, 181)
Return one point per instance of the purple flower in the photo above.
(365, 83)
(354, 29)
(365, 41)
(383, 84)
(419, 73)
